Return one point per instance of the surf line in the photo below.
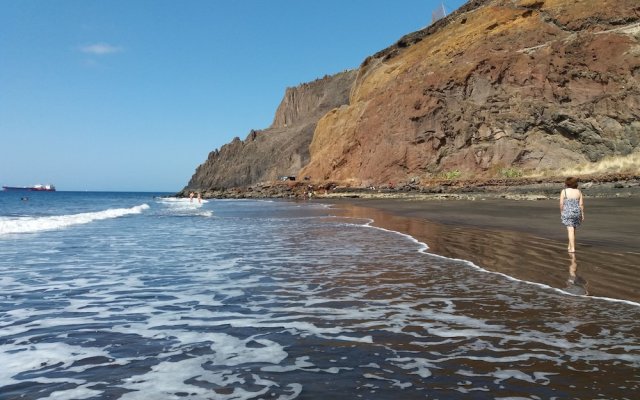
(423, 247)
(39, 224)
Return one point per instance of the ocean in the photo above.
(136, 296)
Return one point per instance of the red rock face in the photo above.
(533, 85)
(521, 85)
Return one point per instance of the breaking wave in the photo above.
(182, 202)
(185, 206)
(12, 225)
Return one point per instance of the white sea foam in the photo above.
(12, 225)
(35, 356)
(185, 207)
(180, 201)
(79, 393)
(257, 309)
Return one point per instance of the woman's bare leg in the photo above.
(571, 232)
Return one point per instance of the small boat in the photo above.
(34, 188)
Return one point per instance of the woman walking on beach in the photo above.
(571, 210)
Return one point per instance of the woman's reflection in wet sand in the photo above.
(575, 284)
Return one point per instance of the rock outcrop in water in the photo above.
(517, 85)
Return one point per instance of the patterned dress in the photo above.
(571, 214)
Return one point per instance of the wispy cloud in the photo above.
(100, 49)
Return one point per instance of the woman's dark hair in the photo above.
(571, 182)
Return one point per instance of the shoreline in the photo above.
(606, 186)
(524, 240)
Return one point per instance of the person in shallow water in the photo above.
(571, 210)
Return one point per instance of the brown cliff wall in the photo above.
(310, 101)
(528, 84)
(283, 148)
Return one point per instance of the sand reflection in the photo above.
(517, 254)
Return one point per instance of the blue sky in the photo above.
(133, 95)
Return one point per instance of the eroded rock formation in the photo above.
(531, 85)
(283, 148)
(527, 84)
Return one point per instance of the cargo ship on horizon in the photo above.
(34, 188)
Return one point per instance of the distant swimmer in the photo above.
(24, 198)
(199, 198)
(191, 197)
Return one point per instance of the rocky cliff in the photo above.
(523, 86)
(516, 85)
(281, 149)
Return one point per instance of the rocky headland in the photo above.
(283, 148)
(501, 97)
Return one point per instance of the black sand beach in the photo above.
(523, 239)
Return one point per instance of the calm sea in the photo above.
(132, 296)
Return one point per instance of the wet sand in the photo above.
(523, 239)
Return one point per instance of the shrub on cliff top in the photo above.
(451, 175)
(511, 172)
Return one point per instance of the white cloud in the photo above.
(101, 49)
